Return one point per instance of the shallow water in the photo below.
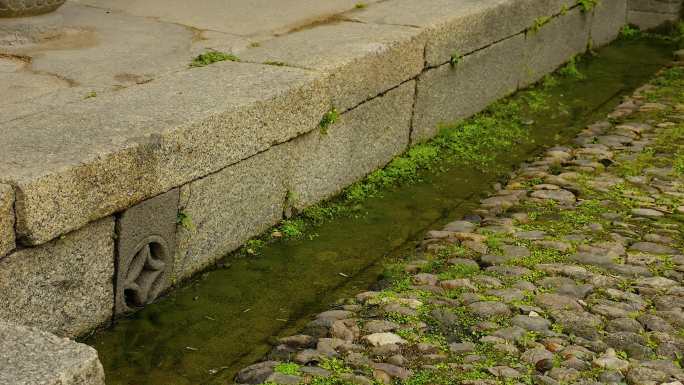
(222, 321)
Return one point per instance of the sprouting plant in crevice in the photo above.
(212, 57)
(184, 220)
(328, 119)
(360, 5)
(570, 69)
(455, 58)
(90, 94)
(564, 10)
(275, 63)
(630, 32)
(587, 5)
(539, 23)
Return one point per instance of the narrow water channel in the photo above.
(205, 331)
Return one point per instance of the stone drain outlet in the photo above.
(145, 251)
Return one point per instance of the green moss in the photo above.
(290, 368)
(212, 57)
(275, 63)
(455, 58)
(570, 69)
(183, 219)
(328, 119)
(629, 32)
(539, 23)
(587, 5)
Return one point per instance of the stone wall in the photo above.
(236, 144)
(647, 14)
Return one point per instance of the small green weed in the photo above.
(455, 58)
(90, 94)
(360, 5)
(328, 119)
(184, 221)
(539, 23)
(628, 32)
(292, 228)
(275, 63)
(570, 69)
(587, 5)
(212, 57)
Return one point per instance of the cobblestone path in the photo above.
(570, 274)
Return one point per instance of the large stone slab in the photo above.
(93, 158)
(360, 60)
(225, 209)
(30, 357)
(555, 43)
(649, 20)
(363, 140)
(460, 26)
(449, 93)
(657, 6)
(6, 219)
(253, 18)
(609, 17)
(63, 287)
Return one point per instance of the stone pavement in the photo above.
(571, 273)
(108, 114)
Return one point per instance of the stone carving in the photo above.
(21, 8)
(145, 251)
(144, 278)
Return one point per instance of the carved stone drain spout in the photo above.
(144, 278)
(145, 248)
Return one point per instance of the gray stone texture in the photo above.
(254, 18)
(650, 20)
(146, 244)
(460, 26)
(63, 287)
(609, 17)
(363, 140)
(228, 207)
(31, 357)
(555, 43)
(7, 243)
(110, 152)
(657, 6)
(449, 93)
(359, 60)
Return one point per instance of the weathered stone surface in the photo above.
(460, 26)
(65, 286)
(228, 207)
(144, 140)
(237, 19)
(359, 60)
(7, 242)
(30, 356)
(146, 245)
(659, 6)
(555, 43)
(649, 20)
(362, 140)
(609, 17)
(448, 93)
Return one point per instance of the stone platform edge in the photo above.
(225, 149)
